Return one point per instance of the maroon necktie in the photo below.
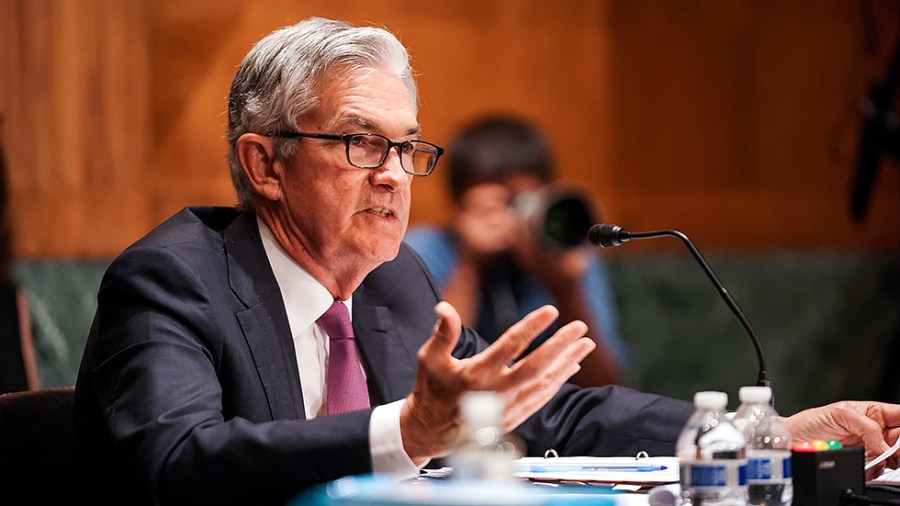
(347, 389)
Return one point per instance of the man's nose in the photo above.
(391, 174)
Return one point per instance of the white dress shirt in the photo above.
(305, 300)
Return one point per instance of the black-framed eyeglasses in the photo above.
(369, 151)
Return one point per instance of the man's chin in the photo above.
(381, 253)
(391, 254)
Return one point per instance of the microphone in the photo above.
(608, 236)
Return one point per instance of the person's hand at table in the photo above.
(430, 419)
(874, 425)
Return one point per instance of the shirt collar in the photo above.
(305, 299)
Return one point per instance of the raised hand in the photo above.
(430, 419)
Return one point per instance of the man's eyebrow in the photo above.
(370, 125)
(358, 121)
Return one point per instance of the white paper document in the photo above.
(890, 451)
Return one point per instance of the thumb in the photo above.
(446, 330)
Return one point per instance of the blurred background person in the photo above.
(503, 255)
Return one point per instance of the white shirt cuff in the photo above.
(386, 443)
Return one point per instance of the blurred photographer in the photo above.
(518, 241)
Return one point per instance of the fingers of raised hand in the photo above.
(516, 339)
(561, 353)
(533, 380)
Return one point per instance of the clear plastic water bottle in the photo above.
(768, 448)
(483, 451)
(712, 455)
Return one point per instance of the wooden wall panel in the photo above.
(470, 57)
(738, 123)
(720, 119)
(75, 102)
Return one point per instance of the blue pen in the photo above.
(639, 468)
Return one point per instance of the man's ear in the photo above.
(256, 154)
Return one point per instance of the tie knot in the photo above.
(336, 321)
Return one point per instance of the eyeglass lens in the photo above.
(369, 151)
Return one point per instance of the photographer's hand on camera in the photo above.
(559, 270)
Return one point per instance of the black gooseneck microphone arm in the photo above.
(608, 236)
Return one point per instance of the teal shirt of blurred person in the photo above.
(494, 267)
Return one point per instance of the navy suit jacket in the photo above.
(188, 390)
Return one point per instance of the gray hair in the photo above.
(275, 84)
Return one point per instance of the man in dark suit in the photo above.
(209, 374)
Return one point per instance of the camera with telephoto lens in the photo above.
(559, 216)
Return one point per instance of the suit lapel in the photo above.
(264, 321)
(389, 361)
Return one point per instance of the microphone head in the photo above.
(607, 235)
